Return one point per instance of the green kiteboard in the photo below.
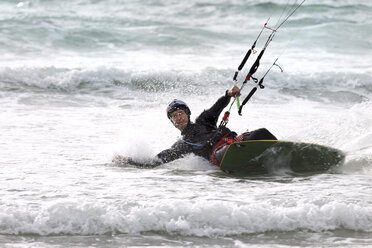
(268, 156)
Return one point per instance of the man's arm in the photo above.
(210, 116)
(177, 150)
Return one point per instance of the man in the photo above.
(203, 137)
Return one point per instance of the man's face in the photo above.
(179, 119)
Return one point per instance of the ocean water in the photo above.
(82, 81)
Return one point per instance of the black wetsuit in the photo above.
(198, 138)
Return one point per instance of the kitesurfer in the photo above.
(202, 137)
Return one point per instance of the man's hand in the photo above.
(234, 91)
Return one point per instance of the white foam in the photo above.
(192, 217)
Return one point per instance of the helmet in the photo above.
(176, 105)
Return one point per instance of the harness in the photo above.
(224, 141)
